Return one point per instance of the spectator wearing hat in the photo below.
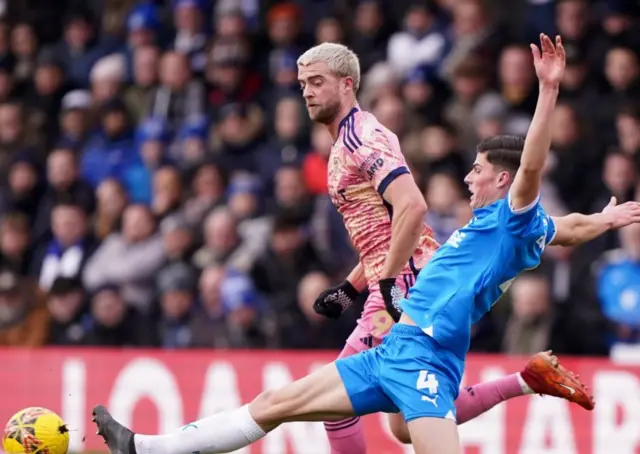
(235, 137)
(144, 80)
(113, 323)
(231, 79)
(179, 94)
(152, 139)
(424, 96)
(246, 200)
(283, 76)
(191, 34)
(62, 181)
(190, 146)
(80, 48)
(24, 188)
(74, 121)
(177, 287)
(142, 27)
(24, 319)
(232, 20)
(69, 248)
(67, 306)
(107, 78)
(110, 152)
(230, 313)
(129, 259)
(15, 243)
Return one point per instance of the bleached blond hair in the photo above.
(341, 60)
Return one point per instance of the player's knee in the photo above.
(271, 407)
(400, 430)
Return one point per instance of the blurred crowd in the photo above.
(161, 185)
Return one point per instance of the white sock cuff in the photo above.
(248, 425)
(526, 389)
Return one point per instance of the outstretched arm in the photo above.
(576, 228)
(549, 62)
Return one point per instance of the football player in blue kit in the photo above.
(418, 368)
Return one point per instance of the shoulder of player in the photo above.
(370, 131)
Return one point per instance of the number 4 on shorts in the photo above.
(427, 381)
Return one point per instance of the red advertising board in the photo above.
(159, 391)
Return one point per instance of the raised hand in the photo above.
(622, 215)
(549, 60)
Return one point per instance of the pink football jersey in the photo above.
(364, 160)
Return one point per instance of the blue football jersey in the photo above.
(471, 271)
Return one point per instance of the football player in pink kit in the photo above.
(383, 210)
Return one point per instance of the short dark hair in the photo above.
(503, 151)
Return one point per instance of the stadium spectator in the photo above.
(70, 247)
(179, 94)
(24, 319)
(63, 180)
(111, 200)
(114, 323)
(128, 259)
(230, 311)
(176, 286)
(528, 329)
(110, 152)
(139, 93)
(223, 243)
(15, 251)
(67, 305)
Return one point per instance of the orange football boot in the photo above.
(546, 376)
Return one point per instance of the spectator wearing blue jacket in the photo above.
(80, 49)
(152, 139)
(110, 152)
(619, 286)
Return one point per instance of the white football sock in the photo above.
(223, 432)
(526, 389)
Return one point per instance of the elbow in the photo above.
(416, 208)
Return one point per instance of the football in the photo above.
(35, 430)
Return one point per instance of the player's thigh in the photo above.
(399, 428)
(320, 396)
(415, 378)
(434, 436)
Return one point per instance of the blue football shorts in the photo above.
(408, 373)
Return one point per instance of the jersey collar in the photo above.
(483, 211)
(343, 122)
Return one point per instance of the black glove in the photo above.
(392, 294)
(334, 301)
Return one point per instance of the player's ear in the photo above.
(504, 179)
(347, 85)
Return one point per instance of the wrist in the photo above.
(546, 87)
(350, 289)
